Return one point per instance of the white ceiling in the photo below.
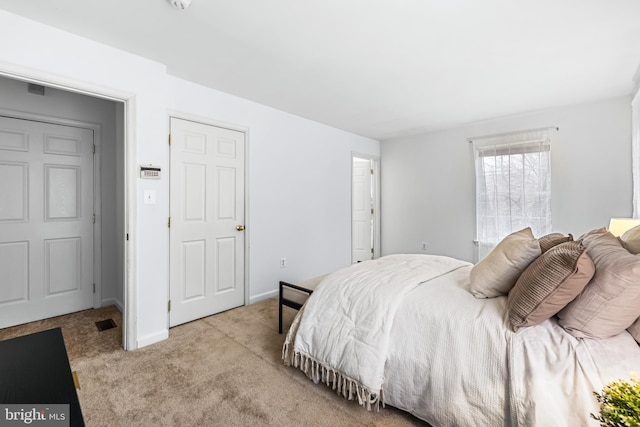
(379, 68)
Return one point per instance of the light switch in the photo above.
(149, 197)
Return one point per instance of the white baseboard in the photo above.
(113, 301)
(257, 298)
(152, 338)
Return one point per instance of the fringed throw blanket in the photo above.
(341, 335)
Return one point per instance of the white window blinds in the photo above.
(513, 185)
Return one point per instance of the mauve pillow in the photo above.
(550, 240)
(631, 240)
(610, 303)
(593, 232)
(496, 274)
(551, 281)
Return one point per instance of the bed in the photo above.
(416, 332)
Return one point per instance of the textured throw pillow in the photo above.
(548, 284)
(496, 274)
(631, 240)
(634, 330)
(596, 231)
(610, 303)
(550, 240)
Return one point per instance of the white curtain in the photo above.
(635, 153)
(513, 185)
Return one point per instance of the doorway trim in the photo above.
(375, 160)
(129, 327)
(247, 233)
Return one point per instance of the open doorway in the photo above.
(365, 208)
(45, 120)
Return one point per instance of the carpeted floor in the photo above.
(81, 336)
(223, 370)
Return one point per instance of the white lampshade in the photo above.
(618, 226)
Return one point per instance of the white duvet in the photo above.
(434, 350)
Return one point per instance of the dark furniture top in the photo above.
(34, 369)
(283, 300)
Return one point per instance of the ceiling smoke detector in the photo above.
(180, 4)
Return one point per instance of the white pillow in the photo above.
(496, 274)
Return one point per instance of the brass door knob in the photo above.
(239, 227)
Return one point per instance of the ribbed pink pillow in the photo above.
(549, 284)
(550, 240)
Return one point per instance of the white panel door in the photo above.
(46, 220)
(206, 265)
(361, 211)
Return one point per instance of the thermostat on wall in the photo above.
(150, 172)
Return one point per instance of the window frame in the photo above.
(494, 218)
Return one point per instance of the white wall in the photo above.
(67, 105)
(299, 185)
(591, 177)
(299, 171)
(42, 52)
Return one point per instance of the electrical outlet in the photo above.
(283, 262)
(424, 246)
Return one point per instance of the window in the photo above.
(513, 186)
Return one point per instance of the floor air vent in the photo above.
(103, 325)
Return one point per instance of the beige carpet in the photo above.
(223, 370)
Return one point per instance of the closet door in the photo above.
(207, 220)
(46, 220)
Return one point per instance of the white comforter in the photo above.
(343, 337)
(449, 358)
